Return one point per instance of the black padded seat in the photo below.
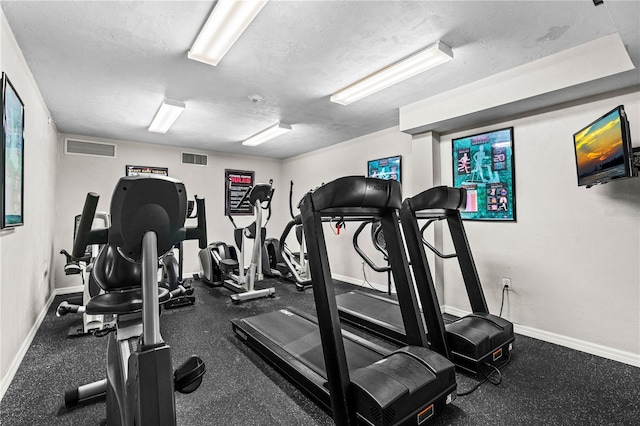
(121, 280)
(113, 272)
(228, 265)
(126, 302)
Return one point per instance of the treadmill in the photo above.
(356, 379)
(476, 339)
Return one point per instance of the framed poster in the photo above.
(237, 183)
(483, 164)
(12, 163)
(146, 171)
(385, 168)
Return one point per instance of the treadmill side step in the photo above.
(475, 339)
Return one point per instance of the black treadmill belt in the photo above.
(378, 308)
(378, 314)
(300, 337)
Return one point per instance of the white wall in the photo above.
(80, 174)
(573, 253)
(26, 252)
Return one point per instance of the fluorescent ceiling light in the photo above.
(226, 23)
(428, 58)
(267, 134)
(167, 114)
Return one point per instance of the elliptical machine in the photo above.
(148, 214)
(220, 264)
(83, 267)
(282, 261)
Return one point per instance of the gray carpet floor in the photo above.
(544, 384)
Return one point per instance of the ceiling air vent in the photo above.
(198, 159)
(99, 149)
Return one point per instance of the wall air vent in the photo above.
(98, 149)
(197, 159)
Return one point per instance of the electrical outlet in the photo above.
(506, 282)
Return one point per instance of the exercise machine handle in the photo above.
(429, 246)
(268, 201)
(83, 236)
(244, 198)
(67, 256)
(362, 254)
(291, 201)
(286, 255)
(199, 232)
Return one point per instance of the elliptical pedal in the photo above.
(188, 377)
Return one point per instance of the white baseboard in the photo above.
(17, 360)
(361, 283)
(629, 358)
(187, 275)
(68, 290)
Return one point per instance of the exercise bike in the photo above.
(82, 267)
(148, 214)
(221, 264)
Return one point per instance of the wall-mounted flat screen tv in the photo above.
(603, 149)
(385, 168)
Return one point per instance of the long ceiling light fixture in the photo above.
(225, 25)
(167, 114)
(428, 58)
(267, 134)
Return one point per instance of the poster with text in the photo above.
(483, 165)
(237, 183)
(147, 171)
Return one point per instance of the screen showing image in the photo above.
(600, 150)
(385, 168)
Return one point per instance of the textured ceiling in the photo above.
(104, 67)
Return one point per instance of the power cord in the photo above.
(104, 331)
(366, 281)
(488, 377)
(504, 289)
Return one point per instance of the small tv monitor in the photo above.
(385, 168)
(603, 149)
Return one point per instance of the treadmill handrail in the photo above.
(432, 248)
(362, 254)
